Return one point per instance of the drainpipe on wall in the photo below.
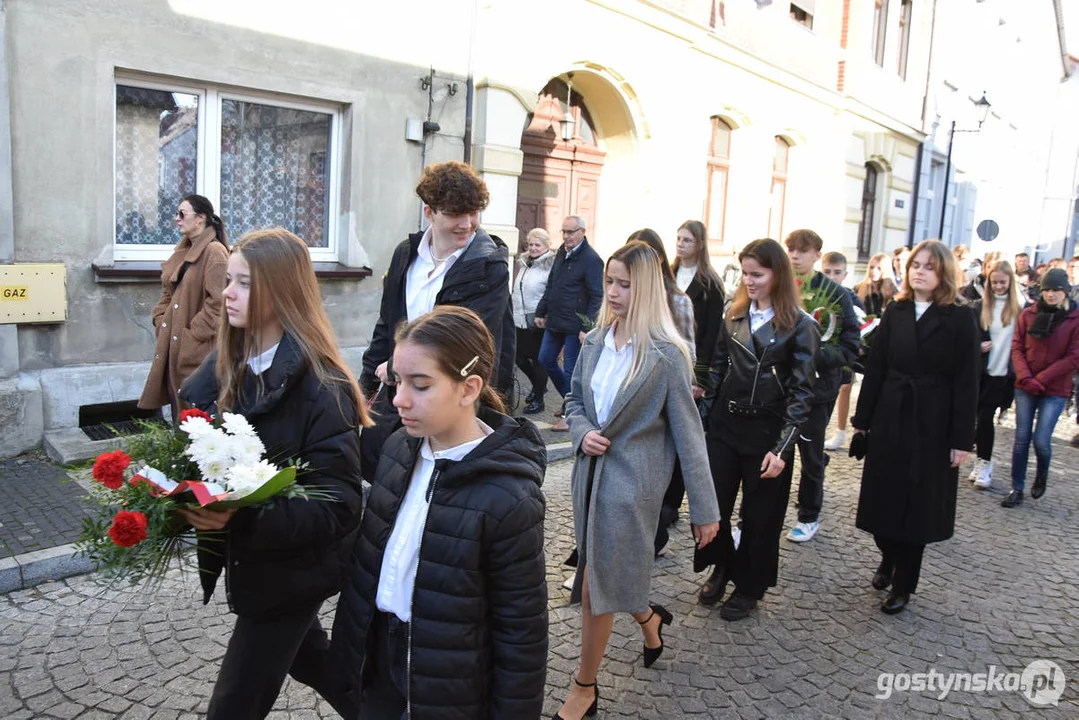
(917, 191)
(470, 87)
(921, 145)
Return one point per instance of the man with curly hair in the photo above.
(453, 262)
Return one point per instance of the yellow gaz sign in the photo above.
(14, 292)
(33, 293)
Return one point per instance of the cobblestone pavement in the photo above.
(1003, 592)
(41, 507)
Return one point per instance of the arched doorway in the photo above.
(558, 178)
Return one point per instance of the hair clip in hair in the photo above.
(468, 368)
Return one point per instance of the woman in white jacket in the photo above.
(529, 283)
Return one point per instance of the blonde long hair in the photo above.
(1012, 305)
(888, 289)
(282, 281)
(648, 318)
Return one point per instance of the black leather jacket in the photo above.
(769, 372)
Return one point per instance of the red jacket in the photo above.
(1053, 360)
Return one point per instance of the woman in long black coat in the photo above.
(915, 419)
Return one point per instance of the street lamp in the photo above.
(567, 120)
(983, 105)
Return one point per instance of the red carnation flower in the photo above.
(195, 413)
(128, 528)
(109, 468)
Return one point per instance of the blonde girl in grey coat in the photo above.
(631, 412)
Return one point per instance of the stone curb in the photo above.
(29, 569)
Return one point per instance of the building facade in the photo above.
(757, 117)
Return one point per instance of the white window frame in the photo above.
(208, 170)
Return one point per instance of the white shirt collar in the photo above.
(608, 341)
(457, 452)
(261, 363)
(424, 249)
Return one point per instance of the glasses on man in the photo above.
(570, 232)
(181, 214)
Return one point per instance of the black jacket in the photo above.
(918, 402)
(839, 352)
(574, 288)
(479, 280)
(708, 305)
(290, 552)
(769, 373)
(478, 643)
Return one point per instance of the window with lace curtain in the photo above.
(262, 162)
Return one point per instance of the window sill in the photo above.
(130, 271)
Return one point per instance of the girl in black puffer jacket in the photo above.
(444, 610)
(277, 364)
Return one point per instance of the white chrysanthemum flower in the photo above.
(196, 426)
(246, 479)
(247, 449)
(208, 447)
(241, 481)
(214, 470)
(238, 425)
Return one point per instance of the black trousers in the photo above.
(985, 434)
(754, 566)
(903, 561)
(385, 696)
(259, 655)
(676, 491)
(811, 449)
(528, 347)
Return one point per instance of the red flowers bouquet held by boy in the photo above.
(139, 531)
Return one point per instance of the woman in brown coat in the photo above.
(187, 316)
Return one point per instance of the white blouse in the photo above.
(685, 276)
(611, 372)
(402, 558)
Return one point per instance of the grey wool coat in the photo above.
(653, 419)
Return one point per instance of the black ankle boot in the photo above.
(714, 587)
(1039, 487)
(882, 578)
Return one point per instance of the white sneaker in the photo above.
(838, 440)
(569, 582)
(736, 535)
(803, 532)
(985, 477)
(976, 469)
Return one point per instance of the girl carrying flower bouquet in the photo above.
(277, 365)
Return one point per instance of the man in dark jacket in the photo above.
(837, 351)
(574, 292)
(452, 262)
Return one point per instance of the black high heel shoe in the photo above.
(592, 709)
(665, 618)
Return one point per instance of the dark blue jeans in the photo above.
(569, 344)
(1048, 409)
